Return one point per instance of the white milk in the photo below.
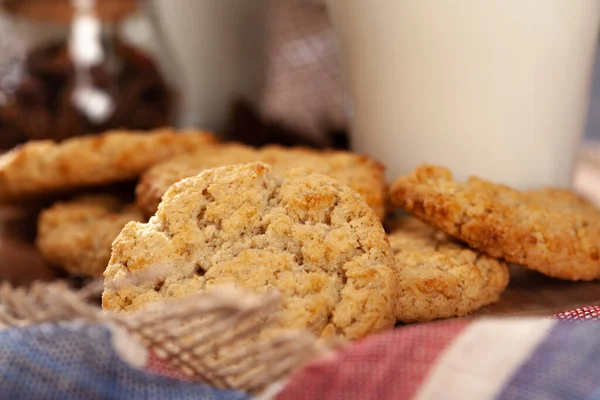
(495, 88)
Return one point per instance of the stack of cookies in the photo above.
(307, 223)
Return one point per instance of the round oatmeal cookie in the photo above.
(439, 277)
(360, 173)
(551, 231)
(77, 235)
(40, 167)
(305, 235)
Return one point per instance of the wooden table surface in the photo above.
(530, 293)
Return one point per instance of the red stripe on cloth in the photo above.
(390, 365)
(580, 314)
(157, 365)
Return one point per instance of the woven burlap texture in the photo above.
(186, 333)
(303, 85)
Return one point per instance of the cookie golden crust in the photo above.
(155, 182)
(552, 231)
(77, 235)
(305, 235)
(439, 277)
(40, 167)
(360, 173)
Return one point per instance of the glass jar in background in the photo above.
(76, 67)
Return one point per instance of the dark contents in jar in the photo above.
(42, 106)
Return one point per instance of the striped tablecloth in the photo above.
(479, 358)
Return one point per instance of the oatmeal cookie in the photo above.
(305, 235)
(76, 235)
(439, 277)
(358, 172)
(40, 167)
(551, 231)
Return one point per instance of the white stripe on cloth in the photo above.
(272, 391)
(483, 358)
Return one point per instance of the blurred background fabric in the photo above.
(303, 85)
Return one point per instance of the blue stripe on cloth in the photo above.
(77, 361)
(566, 365)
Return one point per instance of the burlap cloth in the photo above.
(209, 338)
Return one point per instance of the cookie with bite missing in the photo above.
(305, 235)
(439, 277)
(552, 231)
(77, 235)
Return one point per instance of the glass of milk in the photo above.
(495, 88)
